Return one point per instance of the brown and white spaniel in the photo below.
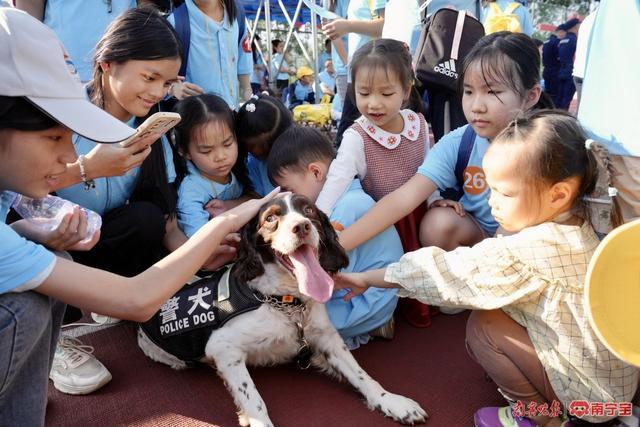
(285, 254)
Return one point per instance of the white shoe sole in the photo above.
(451, 310)
(104, 320)
(71, 389)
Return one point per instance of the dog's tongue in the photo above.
(313, 281)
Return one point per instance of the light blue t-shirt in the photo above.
(362, 10)
(374, 307)
(327, 79)
(610, 94)
(257, 171)
(440, 164)
(322, 58)
(216, 59)
(21, 260)
(340, 67)
(80, 24)
(526, 23)
(195, 192)
(301, 91)
(279, 61)
(114, 191)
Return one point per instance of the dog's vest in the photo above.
(184, 323)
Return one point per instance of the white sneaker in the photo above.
(75, 370)
(104, 320)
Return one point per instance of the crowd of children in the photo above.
(512, 242)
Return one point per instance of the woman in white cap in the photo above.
(41, 103)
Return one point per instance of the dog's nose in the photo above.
(302, 228)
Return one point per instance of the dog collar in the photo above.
(287, 304)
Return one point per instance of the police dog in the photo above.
(284, 256)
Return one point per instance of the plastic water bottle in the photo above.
(47, 213)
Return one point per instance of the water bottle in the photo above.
(47, 213)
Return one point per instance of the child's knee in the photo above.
(437, 227)
(480, 328)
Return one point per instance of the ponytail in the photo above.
(602, 158)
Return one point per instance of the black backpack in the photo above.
(447, 36)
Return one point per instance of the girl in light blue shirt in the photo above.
(280, 65)
(212, 162)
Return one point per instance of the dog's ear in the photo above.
(332, 255)
(249, 264)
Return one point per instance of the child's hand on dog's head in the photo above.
(243, 213)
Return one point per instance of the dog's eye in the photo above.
(271, 218)
(308, 210)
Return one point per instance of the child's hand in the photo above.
(182, 90)
(216, 207)
(336, 28)
(444, 203)
(352, 282)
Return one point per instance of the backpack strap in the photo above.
(464, 152)
(181, 16)
(511, 7)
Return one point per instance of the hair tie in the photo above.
(588, 144)
(254, 96)
(613, 191)
(251, 107)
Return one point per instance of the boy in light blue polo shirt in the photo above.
(302, 168)
(439, 166)
(217, 61)
(80, 24)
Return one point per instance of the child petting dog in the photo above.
(530, 330)
(302, 167)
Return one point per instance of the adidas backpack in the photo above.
(447, 36)
(499, 20)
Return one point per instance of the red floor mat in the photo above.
(429, 365)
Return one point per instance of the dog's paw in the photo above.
(243, 420)
(247, 421)
(400, 408)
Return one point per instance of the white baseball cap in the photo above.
(35, 65)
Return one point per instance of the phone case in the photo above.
(158, 123)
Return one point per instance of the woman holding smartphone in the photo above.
(135, 63)
(40, 105)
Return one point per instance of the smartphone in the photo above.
(158, 123)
